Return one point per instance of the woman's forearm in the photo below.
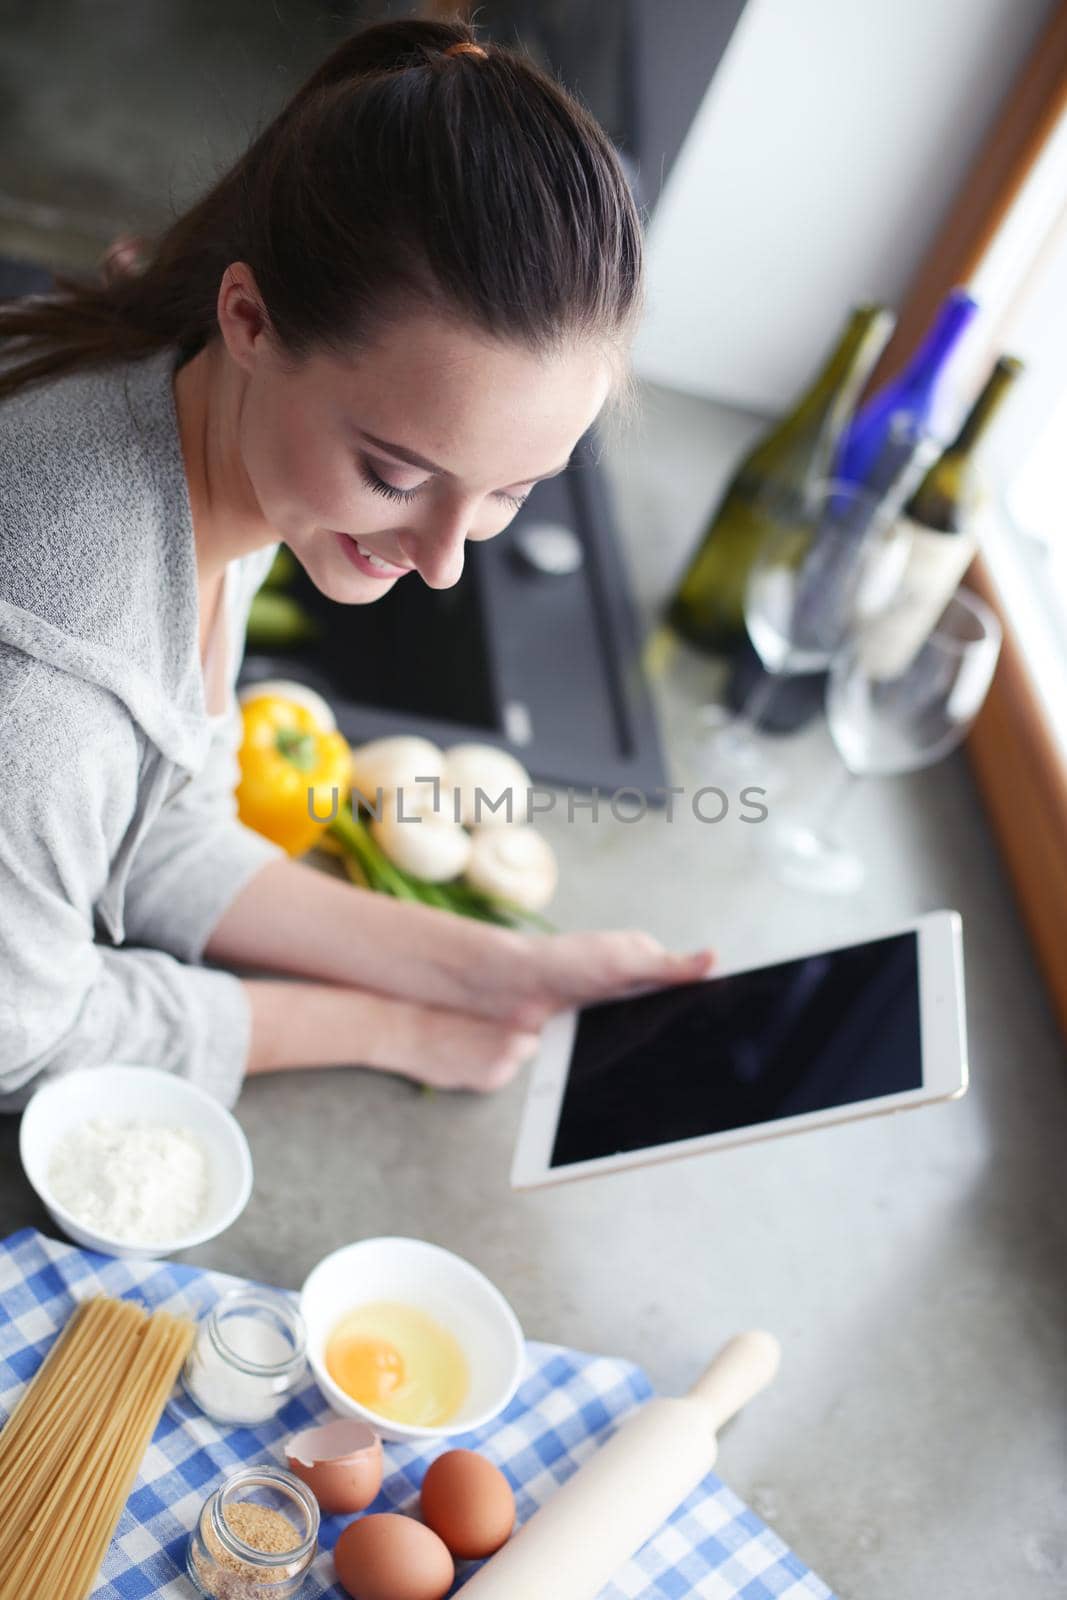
(295, 919)
(296, 1024)
(310, 1025)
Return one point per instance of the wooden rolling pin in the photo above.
(593, 1524)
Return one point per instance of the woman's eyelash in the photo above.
(372, 480)
(391, 492)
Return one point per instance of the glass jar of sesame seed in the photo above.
(255, 1538)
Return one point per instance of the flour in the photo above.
(134, 1182)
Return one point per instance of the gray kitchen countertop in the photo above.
(913, 1266)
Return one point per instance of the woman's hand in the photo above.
(484, 1046)
(526, 981)
(470, 998)
(479, 1047)
(292, 918)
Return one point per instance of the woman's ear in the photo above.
(243, 320)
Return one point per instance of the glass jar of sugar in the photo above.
(255, 1537)
(249, 1356)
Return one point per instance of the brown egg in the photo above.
(341, 1463)
(469, 1503)
(389, 1557)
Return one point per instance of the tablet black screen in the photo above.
(751, 1047)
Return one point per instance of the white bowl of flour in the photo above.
(135, 1162)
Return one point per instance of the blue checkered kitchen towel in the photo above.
(713, 1546)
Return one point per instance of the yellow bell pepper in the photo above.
(285, 754)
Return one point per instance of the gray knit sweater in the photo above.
(119, 844)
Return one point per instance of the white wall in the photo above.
(824, 155)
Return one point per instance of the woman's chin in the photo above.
(351, 589)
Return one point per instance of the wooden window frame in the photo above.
(1016, 760)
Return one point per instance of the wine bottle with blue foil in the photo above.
(907, 407)
(707, 609)
(882, 449)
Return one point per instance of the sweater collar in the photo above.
(112, 596)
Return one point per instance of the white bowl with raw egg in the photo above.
(410, 1338)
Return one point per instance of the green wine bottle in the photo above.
(940, 519)
(708, 607)
(946, 497)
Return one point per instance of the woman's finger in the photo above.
(689, 968)
(645, 963)
(673, 969)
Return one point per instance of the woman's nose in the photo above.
(438, 554)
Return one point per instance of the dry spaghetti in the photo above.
(70, 1450)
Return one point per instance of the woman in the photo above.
(400, 309)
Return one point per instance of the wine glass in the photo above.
(894, 704)
(836, 559)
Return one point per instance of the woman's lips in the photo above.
(372, 569)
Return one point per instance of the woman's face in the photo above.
(380, 467)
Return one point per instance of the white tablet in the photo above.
(747, 1054)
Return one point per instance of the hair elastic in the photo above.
(465, 47)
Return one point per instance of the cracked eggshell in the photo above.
(434, 848)
(516, 864)
(470, 767)
(394, 762)
(341, 1463)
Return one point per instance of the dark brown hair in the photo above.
(470, 184)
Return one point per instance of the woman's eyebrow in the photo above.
(415, 460)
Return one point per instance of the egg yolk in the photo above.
(399, 1362)
(370, 1370)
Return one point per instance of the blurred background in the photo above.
(116, 112)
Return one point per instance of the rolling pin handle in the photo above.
(745, 1365)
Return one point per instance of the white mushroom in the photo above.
(515, 864)
(482, 774)
(299, 693)
(418, 839)
(393, 763)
